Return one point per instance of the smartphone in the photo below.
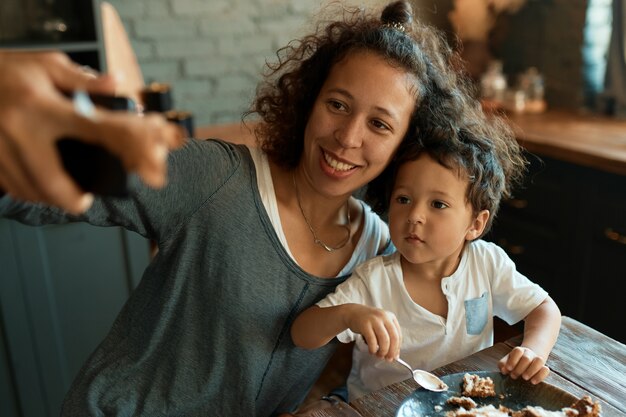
(94, 168)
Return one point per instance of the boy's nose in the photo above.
(415, 216)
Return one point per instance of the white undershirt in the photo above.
(368, 244)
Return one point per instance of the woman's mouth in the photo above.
(336, 164)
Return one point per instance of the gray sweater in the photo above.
(206, 332)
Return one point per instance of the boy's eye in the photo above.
(439, 205)
(403, 199)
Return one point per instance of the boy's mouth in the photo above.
(415, 237)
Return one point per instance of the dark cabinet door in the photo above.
(603, 296)
(8, 397)
(60, 290)
(566, 230)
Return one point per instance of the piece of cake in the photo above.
(465, 402)
(475, 386)
(485, 411)
(586, 407)
(530, 411)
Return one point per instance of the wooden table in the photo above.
(583, 362)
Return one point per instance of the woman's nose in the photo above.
(350, 134)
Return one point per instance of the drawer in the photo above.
(527, 243)
(547, 196)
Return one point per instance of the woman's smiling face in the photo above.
(358, 120)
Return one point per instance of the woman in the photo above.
(248, 238)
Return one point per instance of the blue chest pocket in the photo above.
(476, 312)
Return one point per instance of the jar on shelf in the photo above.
(531, 82)
(493, 85)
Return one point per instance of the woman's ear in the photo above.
(478, 225)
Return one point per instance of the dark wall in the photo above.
(547, 34)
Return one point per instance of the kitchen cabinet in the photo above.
(72, 26)
(566, 230)
(60, 290)
(60, 286)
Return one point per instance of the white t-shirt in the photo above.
(485, 284)
(374, 229)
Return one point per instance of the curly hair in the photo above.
(483, 149)
(285, 99)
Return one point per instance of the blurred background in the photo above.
(212, 52)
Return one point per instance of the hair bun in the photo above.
(399, 12)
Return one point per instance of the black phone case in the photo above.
(93, 167)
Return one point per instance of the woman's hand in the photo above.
(36, 114)
(522, 361)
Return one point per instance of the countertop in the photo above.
(593, 141)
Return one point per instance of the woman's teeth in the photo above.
(337, 165)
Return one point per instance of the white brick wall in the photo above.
(212, 51)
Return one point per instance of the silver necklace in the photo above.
(315, 238)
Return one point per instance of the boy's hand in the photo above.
(379, 328)
(522, 361)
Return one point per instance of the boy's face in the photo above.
(429, 216)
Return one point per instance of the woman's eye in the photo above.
(336, 105)
(380, 125)
(439, 205)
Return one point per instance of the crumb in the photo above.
(438, 408)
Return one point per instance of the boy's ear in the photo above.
(478, 225)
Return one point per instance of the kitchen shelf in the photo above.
(84, 45)
(65, 47)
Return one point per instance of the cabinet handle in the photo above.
(611, 234)
(517, 203)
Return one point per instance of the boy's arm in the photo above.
(541, 329)
(316, 326)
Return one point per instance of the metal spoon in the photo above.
(425, 379)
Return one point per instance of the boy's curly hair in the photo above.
(482, 149)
